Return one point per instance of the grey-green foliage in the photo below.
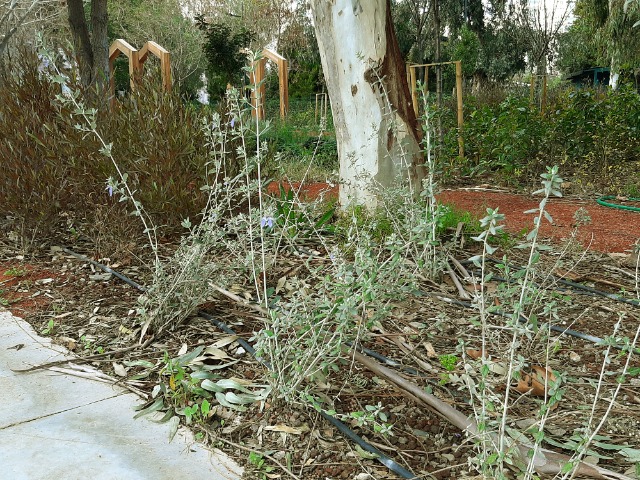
(523, 303)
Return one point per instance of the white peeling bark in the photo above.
(376, 130)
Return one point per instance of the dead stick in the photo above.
(85, 359)
(238, 299)
(545, 461)
(463, 293)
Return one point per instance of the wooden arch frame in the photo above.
(122, 46)
(136, 62)
(165, 61)
(259, 89)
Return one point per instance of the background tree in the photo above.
(579, 46)
(20, 15)
(376, 128)
(91, 41)
(223, 50)
(299, 46)
(622, 40)
(541, 24)
(267, 19)
(483, 34)
(602, 34)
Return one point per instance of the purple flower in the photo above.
(266, 222)
(44, 64)
(110, 190)
(233, 122)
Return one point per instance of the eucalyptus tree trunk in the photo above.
(376, 128)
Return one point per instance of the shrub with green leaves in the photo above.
(593, 134)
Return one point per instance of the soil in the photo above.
(606, 229)
(93, 314)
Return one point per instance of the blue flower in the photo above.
(266, 222)
(110, 190)
(233, 122)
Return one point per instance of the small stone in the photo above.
(574, 357)
(100, 277)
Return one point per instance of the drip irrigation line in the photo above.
(386, 461)
(612, 296)
(242, 342)
(605, 203)
(382, 458)
(346, 431)
(342, 428)
(569, 283)
(522, 319)
(122, 277)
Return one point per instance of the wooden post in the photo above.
(460, 106)
(543, 106)
(258, 90)
(283, 79)
(532, 90)
(425, 84)
(136, 63)
(412, 80)
(321, 106)
(413, 88)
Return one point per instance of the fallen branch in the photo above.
(544, 462)
(84, 359)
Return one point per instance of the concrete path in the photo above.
(55, 426)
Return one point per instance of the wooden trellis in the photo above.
(259, 89)
(412, 77)
(136, 62)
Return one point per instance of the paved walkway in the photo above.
(55, 426)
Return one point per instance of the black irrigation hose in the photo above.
(106, 269)
(386, 461)
(579, 286)
(346, 431)
(243, 343)
(522, 319)
(612, 296)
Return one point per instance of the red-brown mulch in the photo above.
(24, 287)
(610, 230)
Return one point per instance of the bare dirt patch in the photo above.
(610, 230)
